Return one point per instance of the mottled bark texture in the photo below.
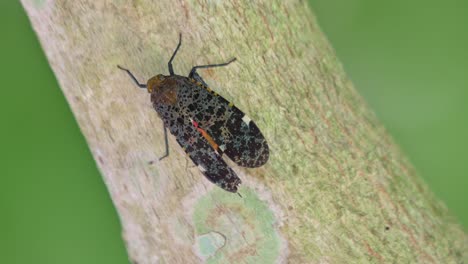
(336, 188)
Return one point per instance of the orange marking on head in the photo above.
(154, 83)
(163, 89)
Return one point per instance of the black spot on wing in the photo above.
(205, 157)
(242, 142)
(246, 146)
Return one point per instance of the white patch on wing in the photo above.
(246, 119)
(222, 147)
(201, 168)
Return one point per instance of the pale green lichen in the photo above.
(209, 243)
(246, 224)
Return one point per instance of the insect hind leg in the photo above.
(194, 69)
(169, 64)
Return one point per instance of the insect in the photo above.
(206, 125)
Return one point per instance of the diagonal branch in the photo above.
(335, 188)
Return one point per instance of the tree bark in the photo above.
(336, 188)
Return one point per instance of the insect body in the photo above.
(205, 124)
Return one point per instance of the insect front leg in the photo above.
(133, 77)
(166, 143)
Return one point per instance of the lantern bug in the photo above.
(205, 125)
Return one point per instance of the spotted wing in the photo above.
(235, 134)
(204, 156)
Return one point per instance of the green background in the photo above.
(407, 58)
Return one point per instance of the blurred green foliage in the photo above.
(407, 58)
(53, 202)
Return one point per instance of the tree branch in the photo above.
(335, 188)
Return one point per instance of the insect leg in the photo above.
(133, 77)
(194, 69)
(167, 144)
(169, 64)
(198, 78)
